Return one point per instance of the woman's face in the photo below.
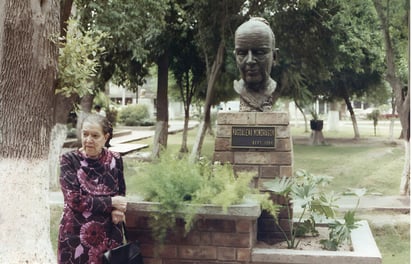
(93, 139)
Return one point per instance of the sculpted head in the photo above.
(255, 52)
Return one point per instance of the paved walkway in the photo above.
(139, 133)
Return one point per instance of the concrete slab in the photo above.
(365, 251)
(127, 148)
(398, 203)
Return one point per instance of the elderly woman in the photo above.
(93, 186)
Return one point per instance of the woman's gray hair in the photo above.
(103, 122)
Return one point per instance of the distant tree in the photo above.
(187, 68)
(341, 56)
(29, 32)
(160, 55)
(216, 22)
(358, 62)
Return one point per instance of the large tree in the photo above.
(28, 71)
(394, 19)
(187, 68)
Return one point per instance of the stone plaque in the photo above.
(253, 137)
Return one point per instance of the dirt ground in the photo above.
(308, 242)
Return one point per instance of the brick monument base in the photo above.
(239, 142)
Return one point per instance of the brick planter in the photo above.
(216, 236)
(230, 237)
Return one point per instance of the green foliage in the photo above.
(134, 115)
(374, 115)
(339, 231)
(131, 26)
(314, 114)
(78, 59)
(180, 187)
(305, 190)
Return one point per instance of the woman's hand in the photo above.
(118, 216)
(119, 203)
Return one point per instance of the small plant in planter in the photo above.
(180, 187)
(315, 123)
(340, 230)
(305, 190)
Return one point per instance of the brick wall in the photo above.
(216, 237)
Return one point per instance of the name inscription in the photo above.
(253, 137)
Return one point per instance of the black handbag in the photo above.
(128, 253)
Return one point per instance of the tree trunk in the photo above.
(214, 73)
(186, 93)
(65, 12)
(405, 178)
(162, 108)
(183, 148)
(352, 116)
(28, 71)
(402, 96)
(57, 138)
(392, 118)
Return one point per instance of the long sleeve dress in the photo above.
(86, 229)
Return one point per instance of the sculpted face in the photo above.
(254, 50)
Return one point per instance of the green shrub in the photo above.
(134, 115)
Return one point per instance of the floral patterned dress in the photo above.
(86, 230)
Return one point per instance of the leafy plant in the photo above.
(339, 231)
(314, 114)
(78, 59)
(175, 183)
(305, 190)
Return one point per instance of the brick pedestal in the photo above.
(265, 163)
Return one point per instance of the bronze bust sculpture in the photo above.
(255, 55)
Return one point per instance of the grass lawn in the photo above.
(376, 167)
(393, 242)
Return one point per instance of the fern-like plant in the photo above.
(176, 183)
